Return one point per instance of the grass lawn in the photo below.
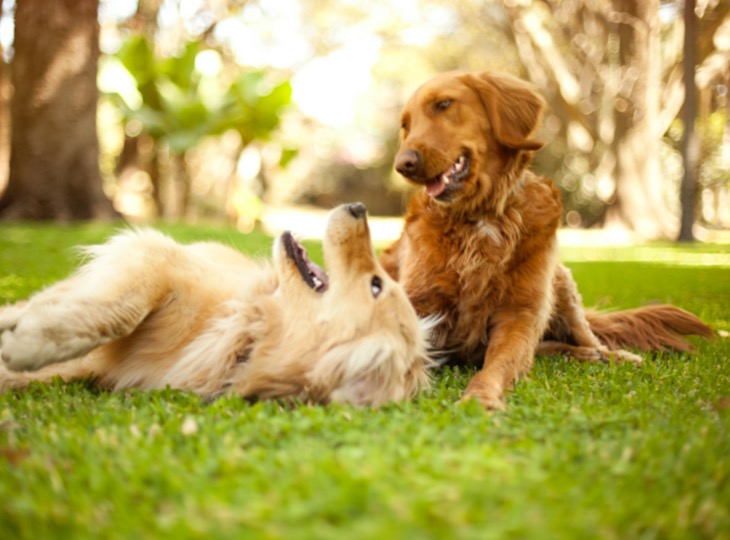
(583, 451)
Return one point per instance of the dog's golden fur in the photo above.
(479, 245)
(147, 312)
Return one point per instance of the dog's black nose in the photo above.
(357, 210)
(408, 163)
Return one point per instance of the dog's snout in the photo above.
(408, 162)
(358, 210)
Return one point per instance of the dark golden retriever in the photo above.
(479, 245)
(147, 312)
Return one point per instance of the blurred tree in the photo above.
(690, 142)
(186, 88)
(4, 114)
(54, 170)
(710, 108)
(176, 112)
(610, 70)
(612, 74)
(143, 22)
(638, 202)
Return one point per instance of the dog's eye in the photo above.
(376, 286)
(442, 105)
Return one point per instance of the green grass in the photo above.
(583, 451)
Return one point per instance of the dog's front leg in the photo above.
(514, 334)
(75, 316)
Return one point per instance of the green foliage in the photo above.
(583, 451)
(176, 105)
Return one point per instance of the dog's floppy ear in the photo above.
(513, 109)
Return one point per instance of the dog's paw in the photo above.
(620, 356)
(487, 402)
(589, 354)
(22, 351)
(604, 355)
(30, 344)
(486, 388)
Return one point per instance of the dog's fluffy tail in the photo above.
(650, 328)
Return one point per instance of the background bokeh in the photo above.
(214, 109)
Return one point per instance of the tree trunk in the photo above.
(640, 204)
(4, 117)
(690, 143)
(54, 168)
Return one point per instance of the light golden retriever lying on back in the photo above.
(147, 312)
(479, 246)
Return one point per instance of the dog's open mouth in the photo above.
(449, 179)
(312, 274)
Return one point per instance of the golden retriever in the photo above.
(147, 312)
(479, 245)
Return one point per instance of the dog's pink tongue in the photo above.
(437, 187)
(320, 275)
(321, 280)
